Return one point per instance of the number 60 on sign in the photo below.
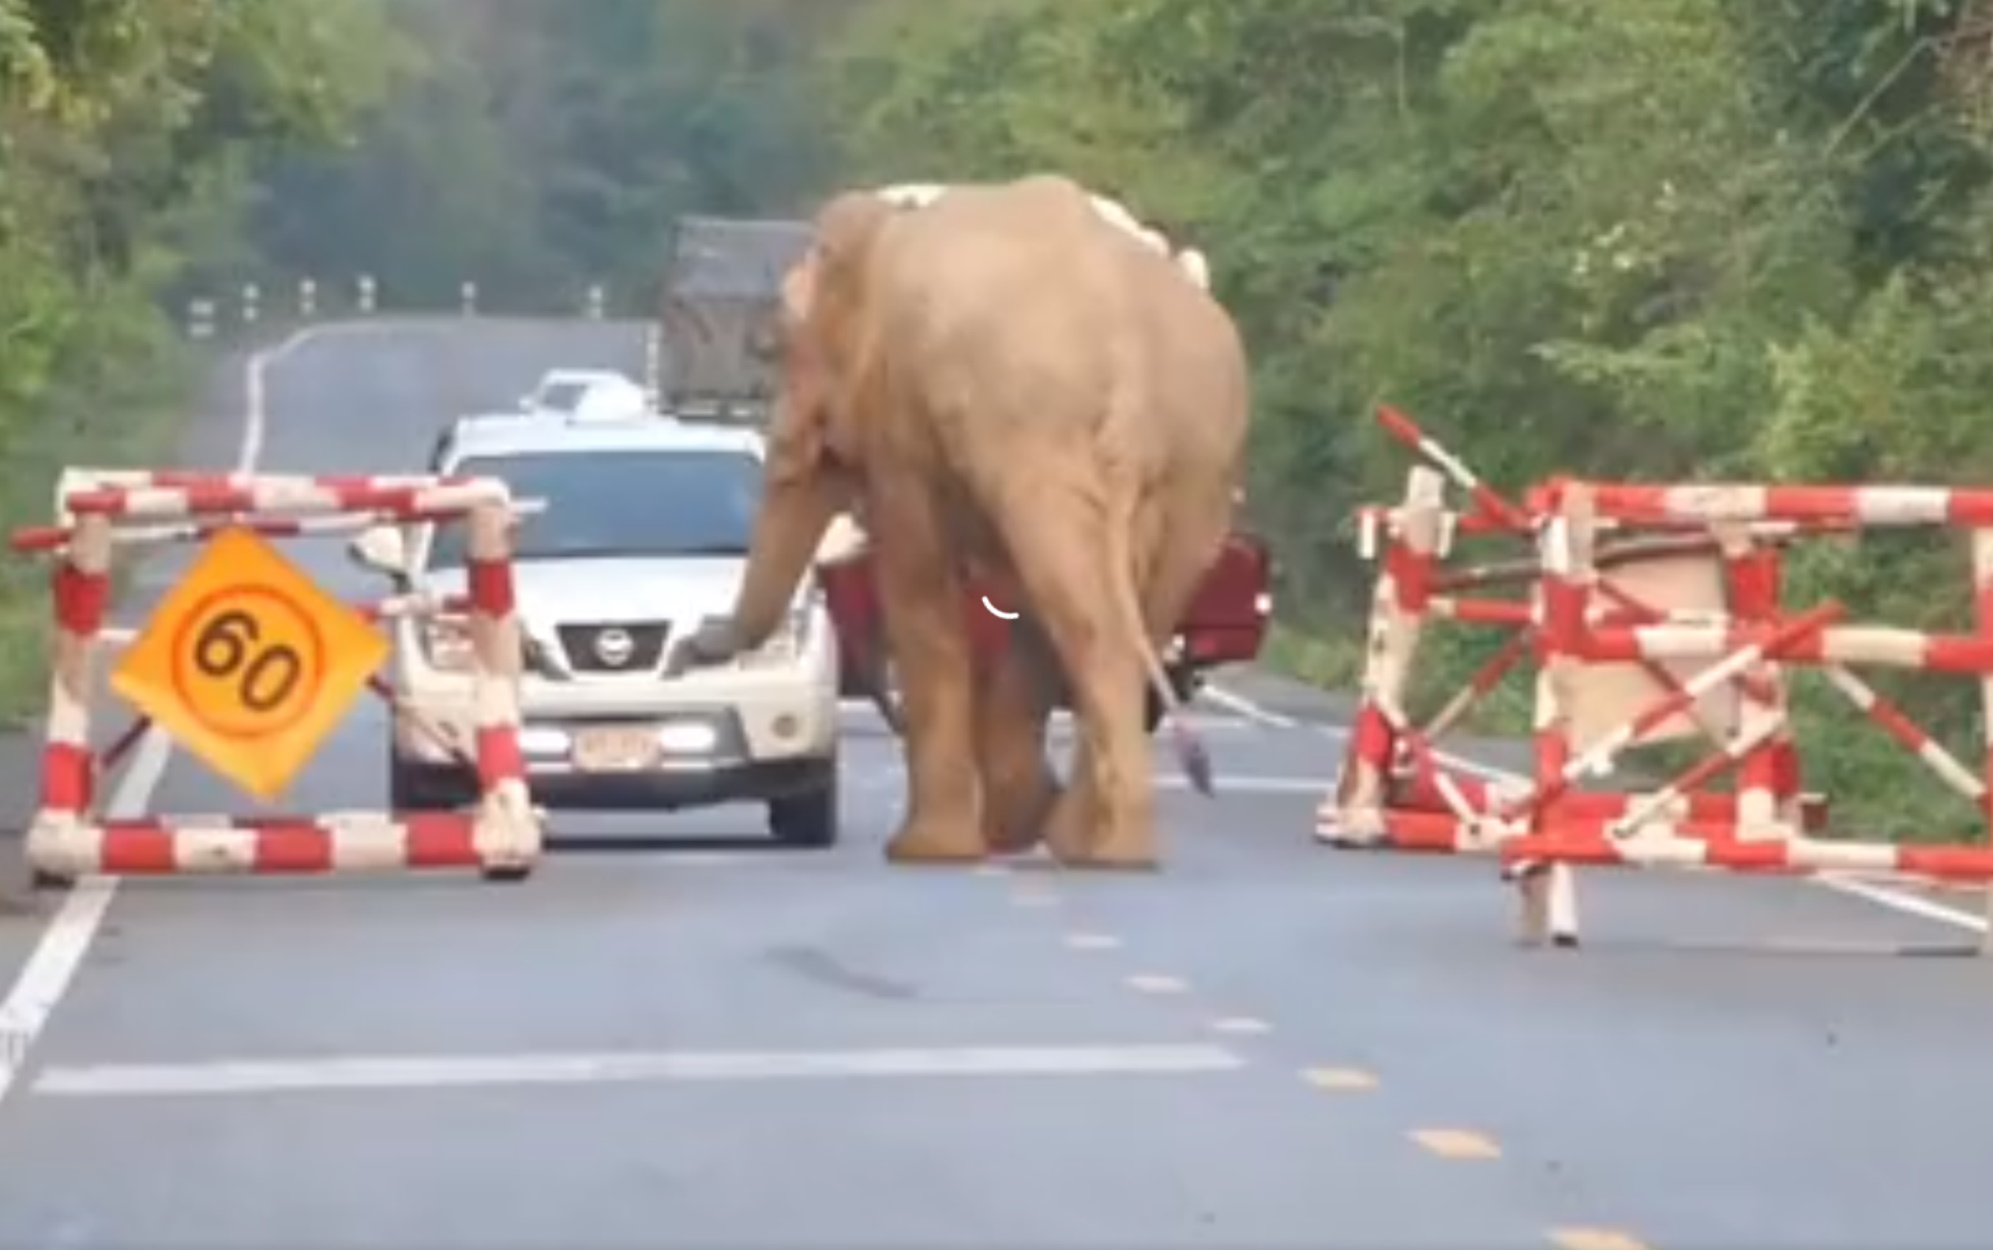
(248, 664)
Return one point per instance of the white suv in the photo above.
(640, 531)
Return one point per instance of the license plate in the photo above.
(617, 750)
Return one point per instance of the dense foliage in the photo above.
(1672, 238)
(125, 130)
(545, 146)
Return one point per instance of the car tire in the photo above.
(808, 818)
(420, 788)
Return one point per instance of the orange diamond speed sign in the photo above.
(248, 664)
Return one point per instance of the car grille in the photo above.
(587, 652)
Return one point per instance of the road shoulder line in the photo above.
(65, 942)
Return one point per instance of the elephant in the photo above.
(1012, 388)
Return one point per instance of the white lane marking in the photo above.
(1247, 708)
(253, 1076)
(1226, 783)
(999, 613)
(1252, 711)
(1907, 904)
(1093, 941)
(52, 965)
(1153, 983)
(1242, 1026)
(1061, 720)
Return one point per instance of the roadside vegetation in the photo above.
(1680, 238)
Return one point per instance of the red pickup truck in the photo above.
(1226, 623)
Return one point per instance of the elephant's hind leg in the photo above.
(1106, 817)
(1013, 702)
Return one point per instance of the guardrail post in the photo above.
(200, 319)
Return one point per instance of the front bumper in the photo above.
(748, 736)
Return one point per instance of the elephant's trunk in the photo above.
(787, 533)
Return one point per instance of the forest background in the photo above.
(1663, 238)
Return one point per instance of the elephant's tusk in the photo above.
(999, 612)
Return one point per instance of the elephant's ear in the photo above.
(820, 297)
(845, 230)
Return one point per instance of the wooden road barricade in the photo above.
(248, 665)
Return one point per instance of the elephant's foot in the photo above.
(1118, 859)
(935, 842)
(1080, 835)
(1015, 811)
(1069, 827)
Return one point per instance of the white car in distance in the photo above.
(590, 394)
(639, 532)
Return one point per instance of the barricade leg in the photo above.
(1982, 596)
(507, 829)
(81, 591)
(1397, 617)
(1549, 892)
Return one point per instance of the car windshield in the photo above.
(561, 396)
(601, 504)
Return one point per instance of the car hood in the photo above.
(620, 591)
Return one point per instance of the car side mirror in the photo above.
(382, 549)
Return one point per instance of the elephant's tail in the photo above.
(1126, 404)
(1191, 754)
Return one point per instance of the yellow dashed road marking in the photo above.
(1092, 941)
(1150, 983)
(1594, 1239)
(1240, 1025)
(1339, 1078)
(1453, 1143)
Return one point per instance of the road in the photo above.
(1269, 1044)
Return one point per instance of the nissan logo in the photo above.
(613, 647)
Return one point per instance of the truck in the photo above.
(719, 317)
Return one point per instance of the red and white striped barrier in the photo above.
(1396, 790)
(98, 509)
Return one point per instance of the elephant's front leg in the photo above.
(922, 600)
(1013, 704)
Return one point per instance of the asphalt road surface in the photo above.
(1269, 1044)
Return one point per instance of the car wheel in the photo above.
(416, 788)
(809, 818)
